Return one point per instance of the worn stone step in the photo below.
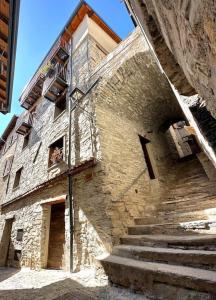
(189, 206)
(192, 182)
(194, 258)
(163, 228)
(147, 220)
(199, 241)
(171, 217)
(187, 198)
(145, 276)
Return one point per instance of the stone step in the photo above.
(189, 206)
(193, 258)
(171, 217)
(186, 199)
(189, 181)
(163, 228)
(199, 241)
(145, 276)
(147, 220)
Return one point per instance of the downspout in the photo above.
(70, 182)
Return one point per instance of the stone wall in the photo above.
(183, 35)
(106, 125)
(34, 158)
(126, 109)
(30, 215)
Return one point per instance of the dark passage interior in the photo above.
(56, 237)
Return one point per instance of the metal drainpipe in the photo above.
(70, 183)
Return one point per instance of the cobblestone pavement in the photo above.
(28, 284)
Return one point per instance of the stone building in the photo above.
(136, 169)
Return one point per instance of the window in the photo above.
(19, 235)
(17, 178)
(7, 166)
(33, 115)
(56, 154)
(26, 141)
(60, 106)
(37, 152)
(17, 255)
(149, 166)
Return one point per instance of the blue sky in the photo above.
(39, 24)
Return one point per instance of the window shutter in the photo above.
(7, 166)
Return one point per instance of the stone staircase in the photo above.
(171, 255)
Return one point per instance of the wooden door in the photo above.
(56, 237)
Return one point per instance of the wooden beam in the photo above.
(2, 87)
(3, 28)
(3, 59)
(4, 8)
(4, 45)
(2, 83)
(2, 93)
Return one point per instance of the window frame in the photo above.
(63, 137)
(55, 108)
(19, 171)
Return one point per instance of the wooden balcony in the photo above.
(24, 128)
(25, 124)
(32, 92)
(61, 51)
(55, 83)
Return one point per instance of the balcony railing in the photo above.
(61, 51)
(55, 83)
(58, 53)
(32, 92)
(25, 124)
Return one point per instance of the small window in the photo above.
(17, 255)
(37, 152)
(56, 154)
(17, 178)
(144, 142)
(7, 166)
(60, 106)
(26, 141)
(19, 237)
(33, 115)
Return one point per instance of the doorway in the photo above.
(56, 237)
(5, 242)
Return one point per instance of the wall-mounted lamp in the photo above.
(77, 94)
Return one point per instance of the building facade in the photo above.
(123, 148)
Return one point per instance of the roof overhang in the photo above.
(9, 17)
(65, 35)
(8, 130)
